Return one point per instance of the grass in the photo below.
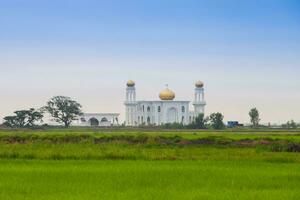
(106, 179)
(134, 164)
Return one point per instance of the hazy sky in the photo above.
(247, 53)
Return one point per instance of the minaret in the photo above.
(199, 102)
(130, 104)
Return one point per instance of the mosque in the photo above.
(165, 110)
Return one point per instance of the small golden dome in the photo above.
(167, 94)
(199, 84)
(130, 83)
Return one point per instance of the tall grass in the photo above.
(87, 164)
(77, 180)
(147, 146)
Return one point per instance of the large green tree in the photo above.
(216, 120)
(254, 117)
(200, 122)
(24, 118)
(63, 109)
(290, 124)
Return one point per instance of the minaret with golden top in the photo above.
(199, 101)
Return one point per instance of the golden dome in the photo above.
(199, 84)
(167, 94)
(130, 83)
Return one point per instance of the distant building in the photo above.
(98, 119)
(162, 111)
(232, 124)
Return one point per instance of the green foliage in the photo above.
(63, 109)
(145, 145)
(200, 122)
(142, 164)
(23, 118)
(173, 126)
(254, 117)
(216, 121)
(290, 125)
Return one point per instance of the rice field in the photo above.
(101, 164)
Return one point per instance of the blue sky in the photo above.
(246, 52)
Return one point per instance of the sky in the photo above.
(247, 52)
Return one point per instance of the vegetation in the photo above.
(63, 109)
(171, 126)
(23, 118)
(200, 122)
(216, 120)
(140, 179)
(290, 125)
(254, 117)
(89, 163)
(147, 145)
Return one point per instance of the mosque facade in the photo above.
(162, 111)
(98, 119)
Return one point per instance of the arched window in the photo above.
(183, 109)
(182, 119)
(148, 109)
(143, 108)
(104, 119)
(94, 122)
(158, 109)
(148, 120)
(142, 119)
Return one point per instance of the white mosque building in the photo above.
(165, 110)
(98, 119)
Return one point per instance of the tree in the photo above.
(63, 109)
(23, 118)
(216, 120)
(10, 121)
(254, 117)
(290, 124)
(199, 122)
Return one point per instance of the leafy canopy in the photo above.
(216, 120)
(254, 117)
(63, 109)
(200, 122)
(24, 118)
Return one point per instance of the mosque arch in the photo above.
(172, 115)
(104, 119)
(148, 120)
(94, 122)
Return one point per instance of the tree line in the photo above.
(64, 110)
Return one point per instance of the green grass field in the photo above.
(103, 164)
